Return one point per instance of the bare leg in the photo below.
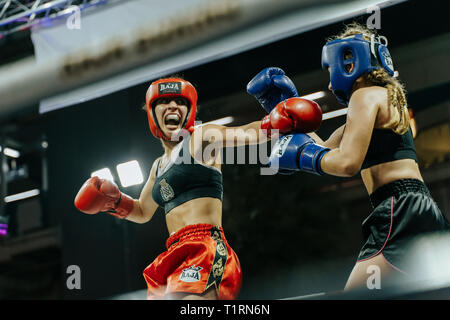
(209, 294)
(361, 272)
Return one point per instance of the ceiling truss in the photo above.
(20, 15)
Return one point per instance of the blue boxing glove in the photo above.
(270, 87)
(297, 152)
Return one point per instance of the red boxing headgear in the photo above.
(171, 87)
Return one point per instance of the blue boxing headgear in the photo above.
(365, 56)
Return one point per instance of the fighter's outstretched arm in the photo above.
(247, 134)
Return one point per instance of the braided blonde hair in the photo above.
(397, 104)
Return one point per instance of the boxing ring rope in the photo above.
(25, 82)
(334, 114)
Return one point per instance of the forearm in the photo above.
(248, 134)
(145, 207)
(316, 138)
(337, 163)
(258, 138)
(334, 140)
(137, 214)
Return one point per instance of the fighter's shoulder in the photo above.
(369, 97)
(154, 167)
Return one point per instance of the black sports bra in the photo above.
(386, 146)
(185, 179)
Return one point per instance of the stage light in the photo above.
(22, 195)
(104, 173)
(130, 173)
(11, 152)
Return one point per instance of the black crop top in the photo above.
(185, 179)
(385, 146)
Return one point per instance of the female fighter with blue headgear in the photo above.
(376, 141)
(187, 182)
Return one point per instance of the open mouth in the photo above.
(172, 121)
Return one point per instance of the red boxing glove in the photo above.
(100, 195)
(295, 115)
(265, 125)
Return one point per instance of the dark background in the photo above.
(294, 235)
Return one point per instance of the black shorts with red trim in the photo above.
(403, 211)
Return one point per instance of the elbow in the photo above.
(143, 220)
(145, 217)
(350, 168)
(339, 165)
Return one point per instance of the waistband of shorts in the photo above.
(396, 188)
(195, 230)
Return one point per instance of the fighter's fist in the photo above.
(100, 195)
(295, 152)
(271, 86)
(295, 115)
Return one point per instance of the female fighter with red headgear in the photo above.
(376, 140)
(187, 182)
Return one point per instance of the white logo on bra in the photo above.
(166, 190)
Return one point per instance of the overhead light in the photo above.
(221, 121)
(334, 114)
(11, 152)
(314, 96)
(104, 173)
(130, 173)
(22, 195)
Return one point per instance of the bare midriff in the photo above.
(383, 173)
(195, 211)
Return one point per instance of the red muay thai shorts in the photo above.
(197, 258)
